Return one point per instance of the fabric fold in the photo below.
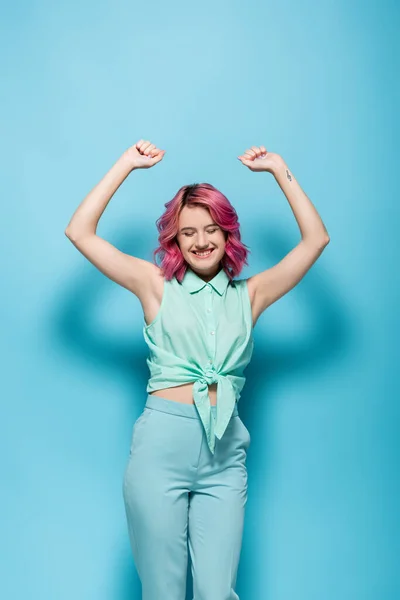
(226, 400)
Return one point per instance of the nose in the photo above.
(201, 242)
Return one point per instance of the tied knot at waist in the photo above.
(226, 402)
(210, 376)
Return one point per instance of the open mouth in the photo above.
(204, 254)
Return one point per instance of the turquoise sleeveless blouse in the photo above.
(202, 333)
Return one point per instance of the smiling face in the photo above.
(201, 240)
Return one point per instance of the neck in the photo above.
(207, 276)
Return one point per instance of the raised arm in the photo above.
(135, 274)
(268, 286)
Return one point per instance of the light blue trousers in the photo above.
(180, 499)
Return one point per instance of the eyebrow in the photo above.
(205, 227)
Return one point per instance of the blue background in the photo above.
(313, 81)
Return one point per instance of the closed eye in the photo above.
(209, 231)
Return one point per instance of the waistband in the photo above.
(178, 408)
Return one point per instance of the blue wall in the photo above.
(315, 82)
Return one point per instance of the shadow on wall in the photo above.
(75, 328)
(331, 332)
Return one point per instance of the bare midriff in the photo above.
(184, 393)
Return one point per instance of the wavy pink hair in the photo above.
(223, 213)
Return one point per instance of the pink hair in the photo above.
(223, 213)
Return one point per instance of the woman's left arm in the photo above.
(268, 286)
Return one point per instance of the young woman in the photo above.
(185, 483)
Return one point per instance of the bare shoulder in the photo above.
(152, 294)
(156, 282)
(249, 283)
(139, 276)
(251, 288)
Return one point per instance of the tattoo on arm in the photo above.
(288, 175)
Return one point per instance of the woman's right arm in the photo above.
(135, 274)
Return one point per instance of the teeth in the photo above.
(203, 253)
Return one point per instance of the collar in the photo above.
(194, 283)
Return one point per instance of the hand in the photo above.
(257, 158)
(143, 155)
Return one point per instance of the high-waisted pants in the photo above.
(180, 499)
